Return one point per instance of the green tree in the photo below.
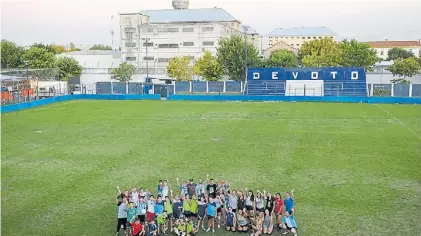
(100, 47)
(68, 68)
(282, 58)
(11, 54)
(231, 56)
(321, 53)
(357, 54)
(58, 49)
(398, 53)
(180, 69)
(405, 68)
(38, 58)
(42, 59)
(208, 67)
(123, 73)
(48, 48)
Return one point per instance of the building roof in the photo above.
(188, 15)
(93, 52)
(303, 31)
(394, 44)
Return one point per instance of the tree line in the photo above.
(39, 56)
(230, 59)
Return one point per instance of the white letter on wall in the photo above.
(354, 74)
(256, 75)
(295, 75)
(274, 75)
(333, 73)
(314, 75)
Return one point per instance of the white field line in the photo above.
(400, 122)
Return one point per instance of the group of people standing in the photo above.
(185, 211)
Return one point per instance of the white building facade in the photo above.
(382, 47)
(150, 39)
(293, 38)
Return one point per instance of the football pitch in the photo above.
(355, 168)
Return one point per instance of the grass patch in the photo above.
(355, 170)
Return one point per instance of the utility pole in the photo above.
(245, 28)
(147, 61)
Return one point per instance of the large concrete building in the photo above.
(382, 47)
(149, 39)
(293, 38)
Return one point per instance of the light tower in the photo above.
(180, 4)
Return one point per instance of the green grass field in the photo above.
(355, 168)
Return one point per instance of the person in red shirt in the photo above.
(137, 228)
(279, 208)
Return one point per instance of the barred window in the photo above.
(186, 30)
(173, 45)
(173, 30)
(207, 29)
(147, 30)
(208, 43)
(130, 58)
(187, 44)
(164, 59)
(130, 45)
(148, 44)
(148, 58)
(163, 46)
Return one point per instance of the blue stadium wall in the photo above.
(333, 81)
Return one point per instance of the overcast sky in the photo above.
(89, 21)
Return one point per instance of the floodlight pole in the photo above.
(147, 59)
(245, 28)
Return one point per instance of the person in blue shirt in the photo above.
(159, 207)
(289, 202)
(211, 213)
(289, 224)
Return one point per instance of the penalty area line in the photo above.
(400, 122)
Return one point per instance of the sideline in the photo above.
(400, 122)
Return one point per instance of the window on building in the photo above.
(148, 58)
(298, 45)
(188, 44)
(331, 37)
(172, 30)
(147, 30)
(308, 37)
(130, 29)
(130, 45)
(303, 37)
(191, 58)
(148, 44)
(208, 43)
(207, 29)
(187, 30)
(381, 53)
(320, 37)
(314, 37)
(164, 59)
(173, 46)
(130, 58)
(286, 37)
(162, 30)
(129, 35)
(163, 46)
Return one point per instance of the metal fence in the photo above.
(215, 88)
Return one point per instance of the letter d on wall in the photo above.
(354, 74)
(256, 75)
(314, 75)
